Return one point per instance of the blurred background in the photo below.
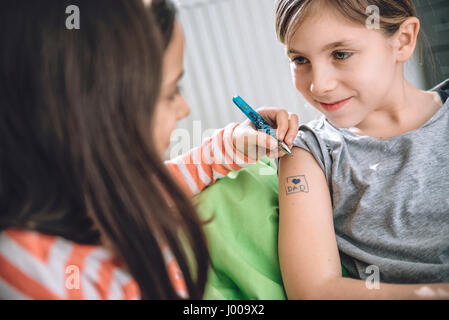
(231, 49)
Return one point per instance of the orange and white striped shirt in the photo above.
(40, 266)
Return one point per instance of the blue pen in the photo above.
(259, 122)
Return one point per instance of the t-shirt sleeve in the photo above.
(310, 139)
(204, 165)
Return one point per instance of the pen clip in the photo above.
(255, 118)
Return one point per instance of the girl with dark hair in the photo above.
(375, 165)
(87, 208)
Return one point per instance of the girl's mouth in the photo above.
(335, 105)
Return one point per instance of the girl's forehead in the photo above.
(327, 26)
(327, 20)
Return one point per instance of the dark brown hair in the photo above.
(76, 157)
(165, 14)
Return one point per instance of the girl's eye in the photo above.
(340, 55)
(175, 93)
(300, 60)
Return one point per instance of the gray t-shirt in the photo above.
(390, 197)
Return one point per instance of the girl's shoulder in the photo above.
(34, 265)
(320, 132)
(319, 138)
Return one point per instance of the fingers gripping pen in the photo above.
(259, 122)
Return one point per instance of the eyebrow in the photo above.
(327, 47)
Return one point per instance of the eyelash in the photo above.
(349, 54)
(175, 93)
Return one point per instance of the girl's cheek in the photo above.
(294, 74)
(303, 87)
(301, 83)
(364, 78)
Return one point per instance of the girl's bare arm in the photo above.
(308, 253)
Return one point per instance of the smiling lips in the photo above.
(334, 106)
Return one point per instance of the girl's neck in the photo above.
(406, 109)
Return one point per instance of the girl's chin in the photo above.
(162, 149)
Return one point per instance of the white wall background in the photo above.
(231, 49)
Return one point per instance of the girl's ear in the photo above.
(406, 37)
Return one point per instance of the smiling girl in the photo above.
(367, 186)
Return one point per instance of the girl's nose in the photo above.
(323, 82)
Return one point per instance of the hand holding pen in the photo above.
(268, 131)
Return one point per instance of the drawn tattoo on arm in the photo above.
(296, 184)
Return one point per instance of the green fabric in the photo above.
(242, 236)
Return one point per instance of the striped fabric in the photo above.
(40, 266)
